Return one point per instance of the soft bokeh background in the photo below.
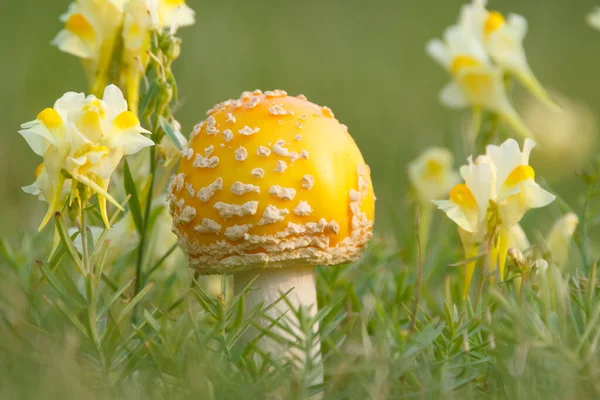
(364, 59)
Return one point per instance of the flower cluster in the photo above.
(82, 140)
(92, 28)
(479, 52)
(499, 188)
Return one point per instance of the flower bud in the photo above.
(541, 266)
(517, 257)
(559, 238)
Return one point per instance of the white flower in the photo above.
(91, 27)
(503, 40)
(469, 201)
(86, 138)
(516, 189)
(559, 238)
(593, 18)
(467, 207)
(476, 82)
(499, 189)
(432, 175)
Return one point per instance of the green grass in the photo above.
(536, 335)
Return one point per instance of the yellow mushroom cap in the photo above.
(271, 180)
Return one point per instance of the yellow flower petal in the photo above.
(50, 118)
(461, 195)
(520, 174)
(126, 120)
(80, 26)
(493, 22)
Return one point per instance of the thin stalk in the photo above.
(162, 259)
(585, 250)
(142, 246)
(90, 286)
(419, 271)
(489, 134)
(83, 233)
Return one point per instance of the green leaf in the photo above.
(159, 262)
(71, 317)
(152, 321)
(134, 201)
(134, 302)
(175, 136)
(148, 100)
(55, 283)
(66, 240)
(115, 297)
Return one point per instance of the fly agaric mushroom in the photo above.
(271, 186)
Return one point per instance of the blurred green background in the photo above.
(364, 59)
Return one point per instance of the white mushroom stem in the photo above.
(269, 286)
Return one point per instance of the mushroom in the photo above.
(269, 187)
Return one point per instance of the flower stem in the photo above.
(419, 270)
(90, 286)
(139, 281)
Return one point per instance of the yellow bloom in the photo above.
(516, 189)
(593, 18)
(502, 39)
(91, 27)
(499, 189)
(469, 201)
(432, 175)
(468, 206)
(559, 238)
(476, 82)
(142, 17)
(86, 138)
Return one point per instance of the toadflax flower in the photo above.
(499, 189)
(516, 189)
(593, 18)
(82, 140)
(432, 175)
(90, 32)
(476, 81)
(502, 39)
(142, 17)
(468, 207)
